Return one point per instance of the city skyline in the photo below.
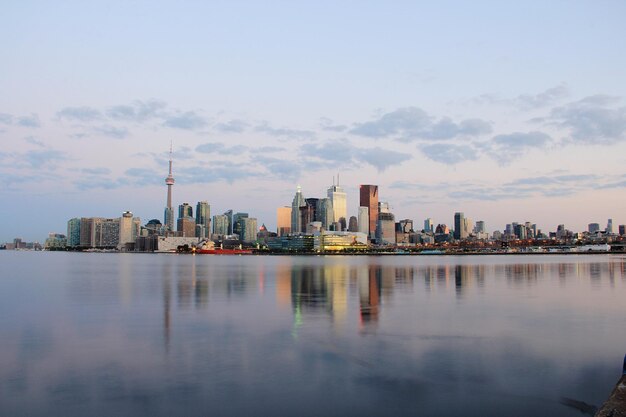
(506, 114)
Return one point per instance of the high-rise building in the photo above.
(187, 226)
(480, 227)
(338, 198)
(593, 227)
(203, 219)
(296, 221)
(308, 212)
(238, 223)
(229, 217)
(325, 213)
(386, 229)
(126, 230)
(248, 229)
(428, 225)
(168, 222)
(185, 210)
(364, 220)
(283, 220)
(405, 226)
(622, 229)
(73, 232)
(353, 224)
(460, 231)
(609, 227)
(220, 225)
(368, 197)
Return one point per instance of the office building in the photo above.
(593, 227)
(229, 218)
(283, 220)
(73, 232)
(203, 219)
(238, 223)
(353, 224)
(248, 230)
(325, 213)
(368, 197)
(185, 210)
(220, 225)
(460, 231)
(428, 225)
(609, 227)
(186, 226)
(296, 204)
(128, 233)
(364, 222)
(338, 198)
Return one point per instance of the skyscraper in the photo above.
(369, 198)
(428, 225)
(168, 222)
(460, 226)
(185, 210)
(220, 225)
(238, 223)
(298, 201)
(283, 220)
(248, 229)
(338, 197)
(229, 216)
(126, 230)
(325, 213)
(364, 220)
(609, 227)
(203, 219)
(73, 232)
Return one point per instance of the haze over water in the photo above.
(160, 335)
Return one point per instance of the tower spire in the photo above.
(169, 212)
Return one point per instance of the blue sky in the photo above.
(508, 111)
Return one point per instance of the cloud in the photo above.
(380, 158)
(527, 101)
(587, 179)
(342, 152)
(413, 123)
(112, 131)
(329, 126)
(138, 111)
(592, 120)
(220, 148)
(34, 141)
(39, 158)
(232, 126)
(187, 121)
(270, 149)
(449, 154)
(546, 98)
(6, 119)
(29, 121)
(280, 168)
(82, 114)
(506, 147)
(284, 132)
(96, 171)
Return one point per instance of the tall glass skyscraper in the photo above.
(298, 201)
(369, 198)
(338, 197)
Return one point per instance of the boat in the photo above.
(208, 248)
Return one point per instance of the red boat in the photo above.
(208, 248)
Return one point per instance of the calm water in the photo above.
(162, 335)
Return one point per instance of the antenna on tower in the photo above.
(337, 179)
(170, 149)
(333, 180)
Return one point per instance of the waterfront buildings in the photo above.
(185, 210)
(283, 220)
(296, 204)
(203, 219)
(460, 226)
(338, 198)
(248, 229)
(368, 197)
(364, 220)
(220, 225)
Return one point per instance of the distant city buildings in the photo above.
(368, 197)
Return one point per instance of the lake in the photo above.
(163, 335)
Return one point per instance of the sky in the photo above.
(506, 111)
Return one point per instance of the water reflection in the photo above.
(176, 335)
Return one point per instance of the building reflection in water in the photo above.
(369, 293)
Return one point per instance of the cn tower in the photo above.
(169, 213)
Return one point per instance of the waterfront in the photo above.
(139, 334)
